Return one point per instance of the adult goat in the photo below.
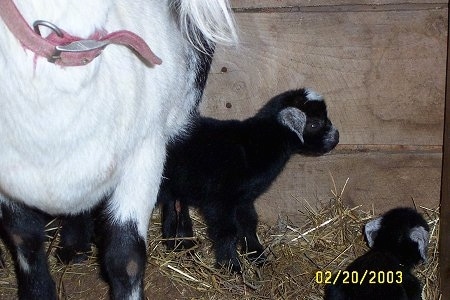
(81, 120)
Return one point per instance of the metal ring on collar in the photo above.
(47, 24)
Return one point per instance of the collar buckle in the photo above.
(74, 47)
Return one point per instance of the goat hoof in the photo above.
(67, 256)
(233, 265)
(180, 244)
(188, 244)
(257, 259)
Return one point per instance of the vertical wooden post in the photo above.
(444, 236)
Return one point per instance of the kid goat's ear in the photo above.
(371, 230)
(294, 119)
(419, 235)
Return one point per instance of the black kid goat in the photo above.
(398, 241)
(221, 167)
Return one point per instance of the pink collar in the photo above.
(64, 49)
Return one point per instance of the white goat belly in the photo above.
(66, 134)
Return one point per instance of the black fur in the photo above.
(392, 251)
(223, 166)
(73, 246)
(122, 250)
(23, 233)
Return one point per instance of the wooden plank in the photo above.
(444, 236)
(350, 149)
(382, 73)
(384, 180)
(246, 4)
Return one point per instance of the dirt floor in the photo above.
(329, 239)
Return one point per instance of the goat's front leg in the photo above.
(23, 233)
(248, 221)
(127, 214)
(123, 254)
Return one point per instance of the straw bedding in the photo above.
(329, 238)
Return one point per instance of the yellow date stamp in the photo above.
(356, 277)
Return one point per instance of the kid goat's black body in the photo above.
(221, 167)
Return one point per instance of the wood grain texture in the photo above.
(381, 180)
(239, 4)
(444, 237)
(382, 73)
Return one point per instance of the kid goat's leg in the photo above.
(248, 222)
(176, 224)
(76, 236)
(23, 232)
(222, 229)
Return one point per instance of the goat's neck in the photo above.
(268, 146)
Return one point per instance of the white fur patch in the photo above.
(141, 185)
(212, 18)
(330, 137)
(23, 264)
(313, 96)
(135, 294)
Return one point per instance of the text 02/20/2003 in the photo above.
(355, 277)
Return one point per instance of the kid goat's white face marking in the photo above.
(312, 95)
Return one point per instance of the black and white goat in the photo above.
(398, 241)
(221, 167)
(79, 127)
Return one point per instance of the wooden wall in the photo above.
(381, 68)
(444, 216)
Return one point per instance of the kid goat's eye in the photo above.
(314, 125)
